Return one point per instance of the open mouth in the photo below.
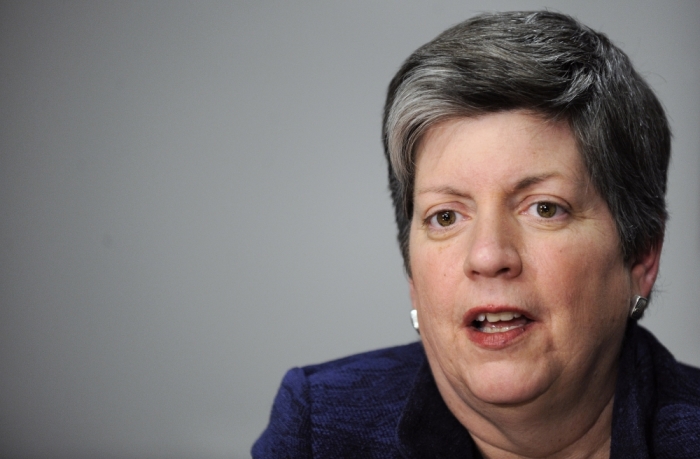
(499, 322)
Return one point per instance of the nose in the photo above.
(493, 250)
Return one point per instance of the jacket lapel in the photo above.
(427, 428)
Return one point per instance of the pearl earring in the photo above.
(414, 319)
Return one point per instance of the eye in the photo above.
(545, 209)
(444, 218)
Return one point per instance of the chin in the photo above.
(505, 383)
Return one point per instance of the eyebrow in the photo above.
(527, 182)
(443, 190)
(523, 184)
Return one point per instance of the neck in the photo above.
(553, 441)
(542, 428)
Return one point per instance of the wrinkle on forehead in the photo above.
(541, 134)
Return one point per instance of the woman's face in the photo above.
(517, 273)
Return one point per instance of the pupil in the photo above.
(546, 209)
(447, 218)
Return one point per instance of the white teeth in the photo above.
(505, 316)
(499, 316)
(493, 321)
(493, 317)
(499, 329)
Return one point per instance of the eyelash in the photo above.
(432, 222)
(559, 211)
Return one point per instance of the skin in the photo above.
(545, 390)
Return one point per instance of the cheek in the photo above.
(593, 284)
(434, 284)
(436, 268)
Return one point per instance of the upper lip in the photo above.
(474, 312)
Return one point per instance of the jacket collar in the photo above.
(427, 428)
(634, 396)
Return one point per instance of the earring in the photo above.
(639, 304)
(414, 319)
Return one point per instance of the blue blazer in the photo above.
(385, 404)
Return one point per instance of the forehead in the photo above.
(499, 147)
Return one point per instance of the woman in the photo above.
(527, 165)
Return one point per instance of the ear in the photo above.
(412, 291)
(643, 271)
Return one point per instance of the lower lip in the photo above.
(497, 340)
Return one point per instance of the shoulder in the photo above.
(360, 371)
(354, 402)
(674, 382)
(676, 423)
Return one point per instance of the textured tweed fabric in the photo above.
(384, 404)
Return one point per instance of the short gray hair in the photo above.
(551, 65)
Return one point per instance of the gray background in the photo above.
(193, 200)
